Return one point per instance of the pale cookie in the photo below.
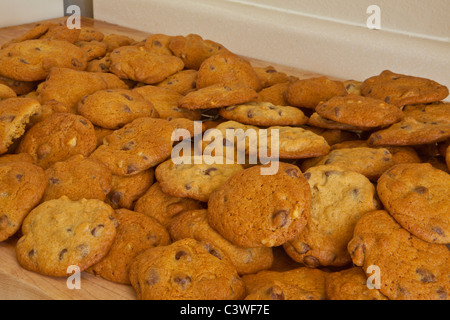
(297, 284)
(400, 89)
(163, 207)
(136, 232)
(408, 268)
(61, 233)
(22, 185)
(264, 114)
(78, 178)
(254, 210)
(323, 242)
(191, 180)
(416, 195)
(194, 224)
(57, 138)
(185, 270)
(138, 146)
(15, 114)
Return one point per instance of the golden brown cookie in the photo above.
(15, 114)
(114, 108)
(308, 93)
(227, 69)
(181, 82)
(115, 41)
(318, 121)
(90, 34)
(350, 284)
(185, 270)
(159, 44)
(19, 87)
(275, 94)
(92, 49)
(334, 136)
(416, 195)
(136, 232)
(193, 49)
(353, 86)
(407, 268)
(323, 242)
(269, 76)
(57, 138)
(400, 89)
(16, 157)
(78, 178)
(254, 210)
(297, 284)
(359, 111)
(22, 185)
(80, 233)
(194, 224)
(138, 64)
(35, 32)
(163, 207)
(99, 65)
(166, 102)
(6, 92)
(126, 190)
(60, 31)
(32, 60)
(138, 146)
(217, 96)
(438, 111)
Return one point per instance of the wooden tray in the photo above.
(17, 283)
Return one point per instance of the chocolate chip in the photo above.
(188, 187)
(128, 146)
(19, 177)
(102, 66)
(4, 221)
(183, 281)
(62, 253)
(355, 192)
(420, 190)
(292, 172)
(271, 71)
(7, 118)
(131, 169)
(84, 249)
(276, 293)
(54, 180)
(209, 170)
(387, 99)
(126, 109)
(307, 175)
(426, 276)
(128, 97)
(77, 63)
(97, 230)
(439, 231)
(328, 173)
(302, 248)
(311, 262)
(24, 61)
(442, 293)
(280, 218)
(152, 278)
(156, 43)
(115, 197)
(31, 253)
(180, 254)
(337, 112)
(215, 253)
(250, 114)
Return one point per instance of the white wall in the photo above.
(16, 12)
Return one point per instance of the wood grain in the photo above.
(17, 283)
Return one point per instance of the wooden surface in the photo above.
(17, 283)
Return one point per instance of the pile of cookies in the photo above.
(357, 210)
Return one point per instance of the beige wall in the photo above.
(425, 18)
(15, 12)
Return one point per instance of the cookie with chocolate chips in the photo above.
(22, 185)
(136, 232)
(255, 209)
(114, 108)
(187, 269)
(80, 233)
(408, 268)
(181, 82)
(416, 195)
(401, 90)
(323, 242)
(194, 224)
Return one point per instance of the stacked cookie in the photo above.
(357, 207)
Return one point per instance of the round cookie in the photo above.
(138, 146)
(254, 210)
(308, 93)
(57, 138)
(350, 284)
(264, 114)
(370, 162)
(181, 82)
(409, 268)
(92, 49)
(126, 190)
(166, 102)
(416, 195)
(115, 41)
(22, 185)
(90, 34)
(78, 178)
(159, 44)
(163, 207)
(191, 180)
(401, 90)
(194, 224)
(138, 64)
(99, 65)
(217, 96)
(114, 108)
(434, 112)
(323, 242)
(15, 114)
(193, 49)
(31, 60)
(269, 76)
(359, 111)
(297, 284)
(60, 31)
(136, 232)
(318, 121)
(227, 69)
(185, 270)
(61, 233)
